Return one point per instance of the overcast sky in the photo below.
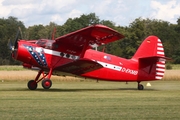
(121, 12)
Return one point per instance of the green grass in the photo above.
(175, 66)
(11, 68)
(20, 67)
(90, 100)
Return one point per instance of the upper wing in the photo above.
(77, 42)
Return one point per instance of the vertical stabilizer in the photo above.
(151, 46)
(151, 58)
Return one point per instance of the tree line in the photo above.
(134, 34)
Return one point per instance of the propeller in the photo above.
(16, 40)
(15, 45)
(9, 44)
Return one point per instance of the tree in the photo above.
(81, 22)
(8, 30)
(134, 34)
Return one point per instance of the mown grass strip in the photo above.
(11, 68)
(26, 75)
(90, 100)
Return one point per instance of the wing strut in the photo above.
(84, 49)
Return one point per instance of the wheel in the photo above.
(32, 85)
(46, 83)
(140, 87)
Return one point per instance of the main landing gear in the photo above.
(46, 82)
(140, 86)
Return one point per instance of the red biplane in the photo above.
(72, 54)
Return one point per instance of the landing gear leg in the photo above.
(47, 83)
(140, 86)
(32, 84)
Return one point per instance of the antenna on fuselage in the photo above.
(53, 33)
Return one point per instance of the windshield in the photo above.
(45, 43)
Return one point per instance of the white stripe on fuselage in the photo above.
(110, 66)
(57, 53)
(118, 68)
(51, 52)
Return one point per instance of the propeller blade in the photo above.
(9, 44)
(16, 39)
(20, 31)
(15, 45)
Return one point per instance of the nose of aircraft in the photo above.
(20, 51)
(14, 50)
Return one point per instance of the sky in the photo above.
(121, 12)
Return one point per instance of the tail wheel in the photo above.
(140, 87)
(46, 83)
(32, 85)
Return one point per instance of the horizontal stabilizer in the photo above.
(155, 57)
(152, 67)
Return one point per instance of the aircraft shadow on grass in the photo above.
(77, 90)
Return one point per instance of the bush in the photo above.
(168, 66)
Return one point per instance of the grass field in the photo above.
(77, 99)
(90, 100)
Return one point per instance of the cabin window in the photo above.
(49, 44)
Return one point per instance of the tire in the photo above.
(32, 85)
(140, 87)
(46, 83)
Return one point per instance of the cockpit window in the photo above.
(46, 43)
(41, 43)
